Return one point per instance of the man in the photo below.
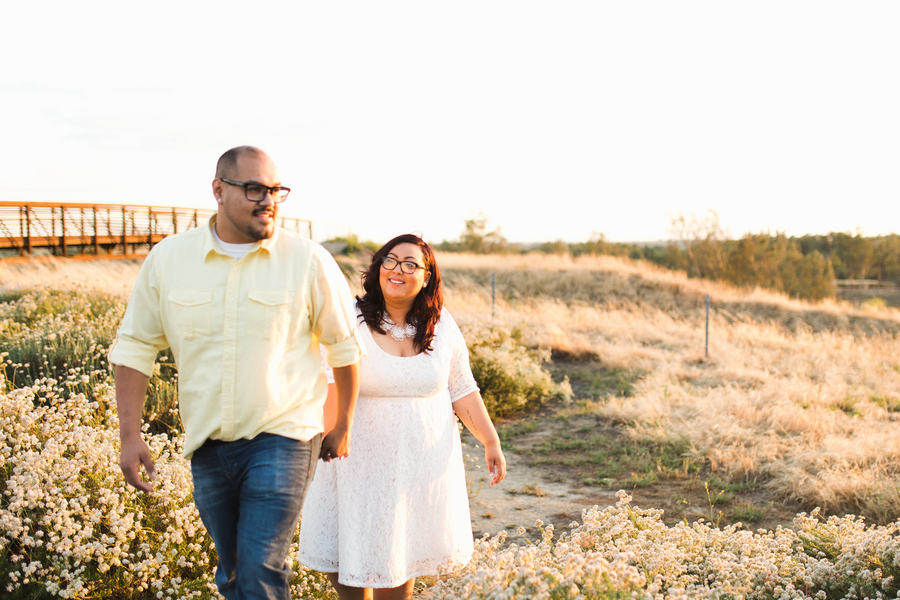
(243, 305)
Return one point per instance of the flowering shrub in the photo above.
(511, 376)
(70, 527)
(68, 523)
(626, 552)
(47, 332)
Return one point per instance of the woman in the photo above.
(397, 507)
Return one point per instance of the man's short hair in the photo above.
(227, 164)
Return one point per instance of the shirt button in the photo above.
(231, 298)
(230, 329)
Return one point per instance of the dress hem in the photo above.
(379, 584)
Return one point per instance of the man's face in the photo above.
(240, 220)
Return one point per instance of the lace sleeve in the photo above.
(329, 372)
(462, 382)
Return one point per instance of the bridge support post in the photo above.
(124, 233)
(28, 229)
(62, 240)
(96, 241)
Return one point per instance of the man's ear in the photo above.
(218, 189)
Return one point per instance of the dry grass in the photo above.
(797, 395)
(804, 397)
(116, 276)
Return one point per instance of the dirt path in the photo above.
(526, 496)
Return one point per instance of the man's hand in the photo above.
(335, 444)
(131, 389)
(134, 454)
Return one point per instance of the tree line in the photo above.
(802, 267)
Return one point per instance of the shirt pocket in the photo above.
(273, 315)
(189, 311)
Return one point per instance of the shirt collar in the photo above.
(210, 245)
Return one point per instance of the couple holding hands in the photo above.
(252, 313)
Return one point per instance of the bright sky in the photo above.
(556, 119)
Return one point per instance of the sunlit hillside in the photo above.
(113, 276)
(802, 397)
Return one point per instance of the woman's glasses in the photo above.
(406, 266)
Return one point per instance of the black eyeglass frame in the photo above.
(389, 259)
(275, 191)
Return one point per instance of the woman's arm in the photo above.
(474, 415)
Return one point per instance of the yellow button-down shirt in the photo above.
(245, 333)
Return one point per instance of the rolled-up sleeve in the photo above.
(333, 318)
(141, 337)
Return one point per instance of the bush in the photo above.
(69, 525)
(625, 552)
(511, 375)
(65, 335)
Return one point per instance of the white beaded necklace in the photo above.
(397, 332)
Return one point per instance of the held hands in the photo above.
(134, 454)
(335, 444)
(496, 463)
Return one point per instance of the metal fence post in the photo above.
(707, 326)
(493, 294)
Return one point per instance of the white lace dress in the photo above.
(397, 506)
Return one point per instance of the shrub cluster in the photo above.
(625, 552)
(510, 375)
(69, 525)
(71, 528)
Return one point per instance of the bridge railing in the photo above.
(66, 229)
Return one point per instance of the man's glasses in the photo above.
(257, 192)
(406, 266)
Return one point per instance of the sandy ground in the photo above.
(514, 502)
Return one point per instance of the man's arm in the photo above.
(336, 443)
(131, 390)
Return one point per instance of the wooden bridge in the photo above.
(99, 230)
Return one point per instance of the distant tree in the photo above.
(557, 247)
(702, 239)
(598, 244)
(886, 258)
(355, 246)
(857, 254)
(815, 277)
(477, 239)
(741, 267)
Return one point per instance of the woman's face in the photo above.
(397, 286)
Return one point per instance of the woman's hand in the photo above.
(496, 463)
(471, 411)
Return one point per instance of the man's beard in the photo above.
(265, 232)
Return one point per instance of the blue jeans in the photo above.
(249, 494)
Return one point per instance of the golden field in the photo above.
(797, 400)
(802, 397)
